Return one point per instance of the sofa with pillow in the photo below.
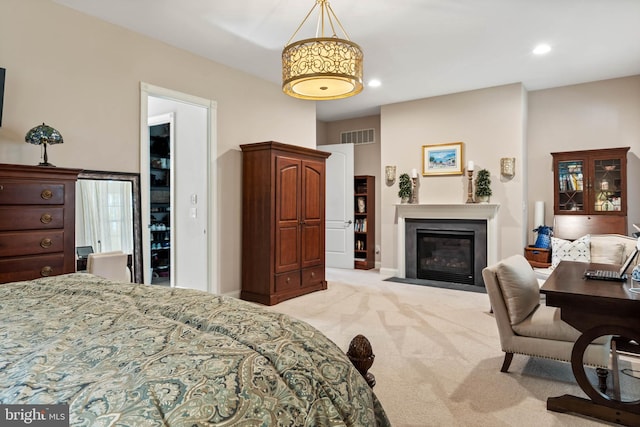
(596, 248)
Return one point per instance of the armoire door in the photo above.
(313, 213)
(287, 212)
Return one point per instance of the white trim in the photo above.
(146, 90)
(486, 211)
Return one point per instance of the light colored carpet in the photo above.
(438, 354)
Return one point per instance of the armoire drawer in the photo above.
(33, 267)
(31, 218)
(18, 243)
(31, 193)
(288, 281)
(312, 276)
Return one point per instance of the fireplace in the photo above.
(485, 213)
(446, 250)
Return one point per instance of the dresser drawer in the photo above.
(31, 242)
(287, 281)
(34, 267)
(31, 193)
(31, 218)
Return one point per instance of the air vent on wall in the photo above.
(364, 136)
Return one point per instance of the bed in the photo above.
(139, 355)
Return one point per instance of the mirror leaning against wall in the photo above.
(108, 215)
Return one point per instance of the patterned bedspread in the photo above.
(139, 355)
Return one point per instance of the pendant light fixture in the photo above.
(322, 68)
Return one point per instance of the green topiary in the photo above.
(483, 183)
(404, 183)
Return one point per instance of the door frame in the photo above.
(213, 251)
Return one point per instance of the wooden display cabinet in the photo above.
(592, 182)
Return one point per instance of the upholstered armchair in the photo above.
(110, 265)
(529, 328)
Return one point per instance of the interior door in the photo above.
(339, 206)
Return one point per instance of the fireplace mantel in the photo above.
(483, 211)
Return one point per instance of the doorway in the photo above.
(189, 218)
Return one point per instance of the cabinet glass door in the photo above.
(571, 188)
(607, 184)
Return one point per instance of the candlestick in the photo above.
(414, 173)
(470, 166)
(414, 190)
(470, 188)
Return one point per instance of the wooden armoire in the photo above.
(283, 221)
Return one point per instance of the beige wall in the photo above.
(490, 123)
(82, 76)
(601, 114)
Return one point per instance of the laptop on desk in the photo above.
(618, 276)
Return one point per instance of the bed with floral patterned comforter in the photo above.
(138, 355)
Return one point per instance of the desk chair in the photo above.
(528, 328)
(110, 265)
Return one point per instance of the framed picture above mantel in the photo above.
(442, 159)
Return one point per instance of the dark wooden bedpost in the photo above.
(361, 355)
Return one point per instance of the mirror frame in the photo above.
(134, 178)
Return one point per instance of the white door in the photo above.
(339, 207)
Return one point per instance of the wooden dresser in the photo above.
(37, 221)
(283, 221)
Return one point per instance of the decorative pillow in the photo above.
(519, 287)
(605, 250)
(565, 250)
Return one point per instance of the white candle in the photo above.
(538, 214)
(414, 173)
(470, 165)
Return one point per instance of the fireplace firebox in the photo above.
(446, 250)
(445, 255)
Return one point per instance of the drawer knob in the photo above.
(46, 218)
(313, 274)
(288, 279)
(46, 271)
(46, 243)
(46, 194)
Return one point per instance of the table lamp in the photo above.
(43, 135)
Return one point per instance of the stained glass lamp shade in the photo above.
(43, 135)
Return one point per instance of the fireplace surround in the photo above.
(446, 250)
(484, 212)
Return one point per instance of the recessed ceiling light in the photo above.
(541, 49)
(374, 83)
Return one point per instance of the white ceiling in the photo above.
(416, 48)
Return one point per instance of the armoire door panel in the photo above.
(287, 249)
(287, 189)
(312, 245)
(313, 189)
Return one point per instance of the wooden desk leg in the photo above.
(599, 405)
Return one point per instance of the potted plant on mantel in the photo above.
(404, 182)
(483, 186)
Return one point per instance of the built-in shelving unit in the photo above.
(160, 198)
(364, 225)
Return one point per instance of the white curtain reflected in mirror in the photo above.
(104, 215)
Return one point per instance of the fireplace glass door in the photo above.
(445, 255)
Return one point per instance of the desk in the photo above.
(595, 308)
